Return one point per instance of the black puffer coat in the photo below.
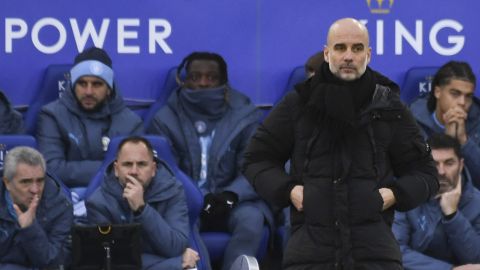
(342, 225)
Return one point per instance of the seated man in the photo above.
(138, 190)
(443, 233)
(11, 121)
(74, 131)
(35, 215)
(209, 125)
(451, 108)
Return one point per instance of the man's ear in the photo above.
(369, 55)
(155, 171)
(115, 164)
(461, 165)
(6, 182)
(325, 53)
(436, 91)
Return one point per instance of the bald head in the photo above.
(347, 51)
(348, 26)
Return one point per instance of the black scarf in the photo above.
(335, 103)
(204, 107)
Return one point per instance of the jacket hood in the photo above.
(468, 190)
(11, 121)
(113, 105)
(53, 192)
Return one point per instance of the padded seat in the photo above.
(55, 82)
(417, 83)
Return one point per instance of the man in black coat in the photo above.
(356, 155)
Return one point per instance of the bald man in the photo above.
(348, 137)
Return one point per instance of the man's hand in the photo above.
(454, 120)
(467, 267)
(388, 197)
(450, 199)
(26, 218)
(133, 192)
(296, 196)
(189, 258)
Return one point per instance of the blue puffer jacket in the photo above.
(428, 241)
(11, 121)
(164, 220)
(471, 149)
(232, 134)
(45, 242)
(71, 139)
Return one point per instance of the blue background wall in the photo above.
(262, 41)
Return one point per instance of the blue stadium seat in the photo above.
(192, 193)
(168, 87)
(417, 83)
(296, 76)
(8, 142)
(55, 82)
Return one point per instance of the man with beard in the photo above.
(74, 131)
(356, 155)
(208, 125)
(443, 233)
(138, 188)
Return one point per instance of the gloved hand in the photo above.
(209, 203)
(216, 210)
(228, 200)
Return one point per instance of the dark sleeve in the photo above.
(413, 259)
(156, 126)
(52, 145)
(268, 151)
(168, 230)
(48, 246)
(11, 121)
(97, 213)
(239, 185)
(412, 163)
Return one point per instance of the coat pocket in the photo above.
(366, 204)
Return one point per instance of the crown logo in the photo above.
(378, 7)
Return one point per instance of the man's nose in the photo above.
(89, 89)
(35, 188)
(440, 169)
(133, 170)
(204, 82)
(348, 56)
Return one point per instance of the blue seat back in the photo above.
(296, 76)
(417, 83)
(168, 87)
(8, 142)
(55, 82)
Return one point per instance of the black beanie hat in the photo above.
(94, 53)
